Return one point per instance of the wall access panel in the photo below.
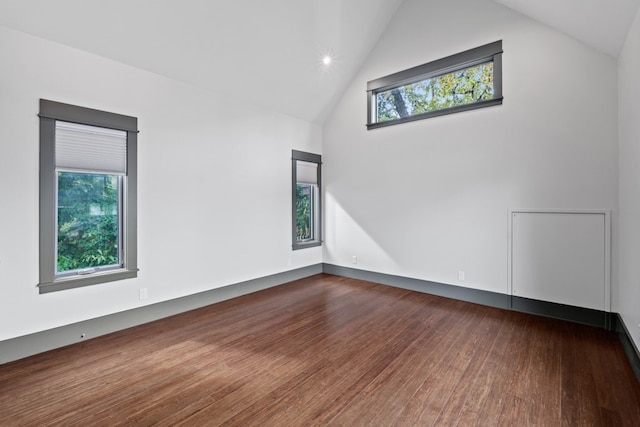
(561, 257)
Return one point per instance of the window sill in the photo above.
(297, 246)
(71, 282)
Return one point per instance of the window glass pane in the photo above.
(462, 87)
(305, 205)
(88, 223)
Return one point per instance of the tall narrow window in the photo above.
(306, 180)
(465, 81)
(87, 196)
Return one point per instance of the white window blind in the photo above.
(306, 172)
(90, 148)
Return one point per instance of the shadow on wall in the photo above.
(343, 231)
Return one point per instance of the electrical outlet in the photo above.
(354, 259)
(143, 293)
(461, 275)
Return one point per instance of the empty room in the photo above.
(320, 212)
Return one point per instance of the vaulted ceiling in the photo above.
(602, 24)
(269, 52)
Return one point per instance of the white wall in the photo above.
(214, 184)
(422, 200)
(429, 198)
(629, 70)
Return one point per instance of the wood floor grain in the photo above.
(331, 351)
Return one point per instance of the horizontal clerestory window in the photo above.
(465, 81)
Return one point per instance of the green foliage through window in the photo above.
(461, 87)
(464, 81)
(88, 221)
(304, 209)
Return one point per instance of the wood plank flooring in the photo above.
(331, 351)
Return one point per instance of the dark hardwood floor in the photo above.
(331, 351)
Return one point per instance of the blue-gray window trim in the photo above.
(469, 58)
(312, 158)
(50, 112)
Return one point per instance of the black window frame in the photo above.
(317, 219)
(50, 112)
(491, 52)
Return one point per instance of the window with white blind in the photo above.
(87, 196)
(306, 178)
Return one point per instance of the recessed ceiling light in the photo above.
(326, 60)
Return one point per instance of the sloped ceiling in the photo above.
(602, 24)
(269, 52)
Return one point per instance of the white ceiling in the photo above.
(269, 52)
(602, 24)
